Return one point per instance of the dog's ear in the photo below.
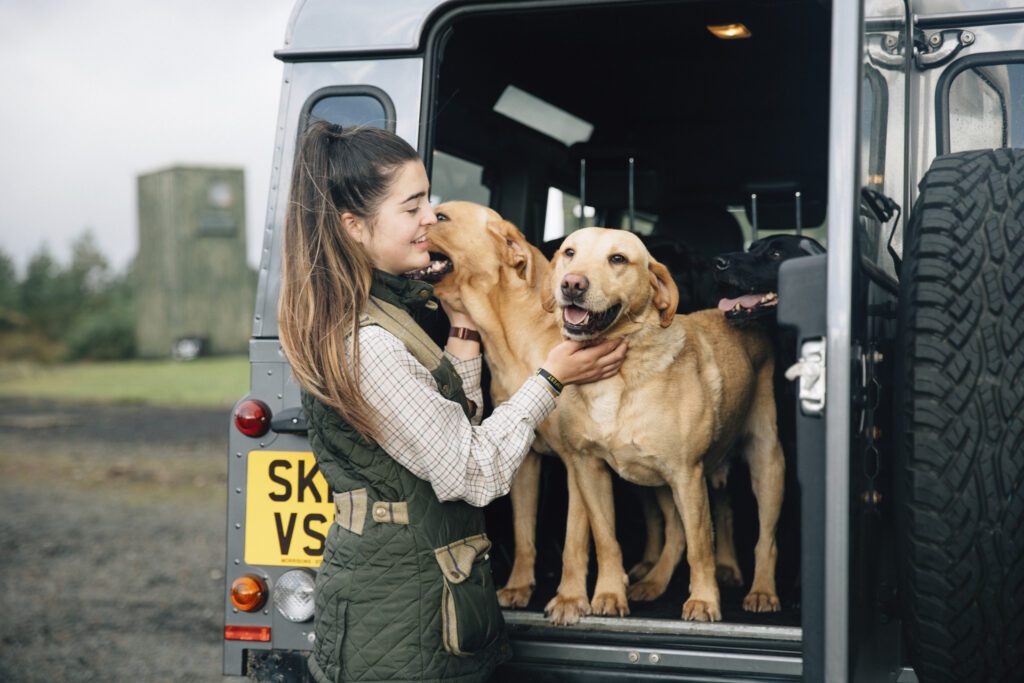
(519, 255)
(514, 249)
(666, 294)
(547, 287)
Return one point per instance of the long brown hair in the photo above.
(326, 274)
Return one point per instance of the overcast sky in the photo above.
(94, 92)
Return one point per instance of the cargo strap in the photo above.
(350, 508)
(399, 323)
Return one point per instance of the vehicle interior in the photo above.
(666, 130)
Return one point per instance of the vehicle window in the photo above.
(351, 110)
(564, 215)
(455, 178)
(979, 100)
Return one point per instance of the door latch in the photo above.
(810, 370)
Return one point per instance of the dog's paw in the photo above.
(610, 604)
(645, 591)
(515, 596)
(564, 610)
(728, 575)
(761, 602)
(701, 610)
(640, 570)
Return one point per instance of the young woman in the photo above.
(405, 589)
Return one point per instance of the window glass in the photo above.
(350, 110)
(986, 108)
(455, 178)
(564, 215)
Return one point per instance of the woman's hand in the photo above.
(573, 362)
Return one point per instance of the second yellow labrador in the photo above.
(691, 388)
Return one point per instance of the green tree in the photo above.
(43, 294)
(8, 284)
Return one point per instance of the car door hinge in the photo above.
(938, 48)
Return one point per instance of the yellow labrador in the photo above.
(691, 388)
(499, 279)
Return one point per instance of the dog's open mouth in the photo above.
(576, 320)
(439, 266)
(748, 306)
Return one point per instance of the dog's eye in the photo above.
(618, 259)
(774, 253)
(569, 253)
(441, 217)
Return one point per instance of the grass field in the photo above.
(214, 382)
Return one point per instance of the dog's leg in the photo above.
(767, 478)
(596, 487)
(655, 523)
(570, 603)
(524, 494)
(727, 567)
(656, 581)
(691, 496)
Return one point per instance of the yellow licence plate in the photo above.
(288, 509)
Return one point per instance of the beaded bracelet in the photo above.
(552, 380)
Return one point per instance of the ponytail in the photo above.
(325, 273)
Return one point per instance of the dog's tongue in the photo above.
(746, 301)
(574, 314)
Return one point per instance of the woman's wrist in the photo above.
(461, 320)
(553, 384)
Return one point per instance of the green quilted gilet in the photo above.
(404, 592)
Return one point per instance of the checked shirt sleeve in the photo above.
(470, 371)
(431, 436)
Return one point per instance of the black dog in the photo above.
(749, 280)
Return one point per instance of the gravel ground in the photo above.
(111, 542)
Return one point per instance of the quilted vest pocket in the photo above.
(470, 616)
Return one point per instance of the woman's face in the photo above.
(398, 241)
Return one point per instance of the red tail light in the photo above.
(252, 417)
(257, 633)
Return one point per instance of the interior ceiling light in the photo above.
(730, 31)
(542, 116)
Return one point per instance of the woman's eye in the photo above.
(618, 258)
(414, 211)
(441, 217)
(569, 253)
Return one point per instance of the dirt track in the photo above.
(111, 542)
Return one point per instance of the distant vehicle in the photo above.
(705, 125)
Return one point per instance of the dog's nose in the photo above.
(721, 263)
(573, 285)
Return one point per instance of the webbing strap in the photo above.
(399, 323)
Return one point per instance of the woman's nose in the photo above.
(429, 217)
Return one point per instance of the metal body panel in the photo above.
(843, 186)
(924, 84)
(363, 26)
(401, 79)
(658, 660)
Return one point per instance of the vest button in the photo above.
(380, 511)
(424, 294)
(455, 575)
(444, 388)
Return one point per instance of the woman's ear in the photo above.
(352, 224)
(666, 294)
